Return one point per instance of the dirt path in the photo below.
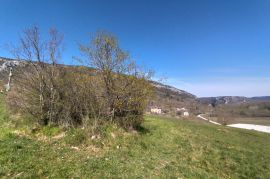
(213, 122)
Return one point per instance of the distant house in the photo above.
(156, 110)
(186, 114)
(181, 109)
(183, 112)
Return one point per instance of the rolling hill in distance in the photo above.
(165, 93)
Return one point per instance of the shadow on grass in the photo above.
(142, 130)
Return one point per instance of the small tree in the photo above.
(126, 89)
(35, 83)
(224, 116)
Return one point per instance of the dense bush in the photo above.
(115, 90)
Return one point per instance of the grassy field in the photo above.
(164, 148)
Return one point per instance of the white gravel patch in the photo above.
(255, 127)
(252, 127)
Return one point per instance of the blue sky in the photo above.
(207, 47)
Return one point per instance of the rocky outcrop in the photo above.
(6, 64)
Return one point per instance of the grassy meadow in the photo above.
(163, 148)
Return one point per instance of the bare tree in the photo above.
(126, 87)
(54, 50)
(224, 116)
(115, 89)
(108, 59)
(36, 81)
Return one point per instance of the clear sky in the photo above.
(207, 47)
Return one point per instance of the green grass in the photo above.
(3, 111)
(164, 148)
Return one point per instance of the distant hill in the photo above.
(167, 90)
(223, 100)
(167, 97)
(6, 63)
(260, 99)
(232, 100)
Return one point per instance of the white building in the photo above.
(183, 111)
(186, 114)
(156, 110)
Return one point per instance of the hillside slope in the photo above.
(164, 148)
(232, 100)
(167, 97)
